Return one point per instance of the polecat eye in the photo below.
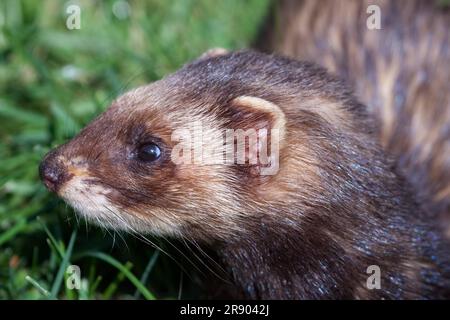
(149, 152)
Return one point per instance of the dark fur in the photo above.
(362, 212)
(410, 56)
(338, 204)
(326, 220)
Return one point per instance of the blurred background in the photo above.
(53, 81)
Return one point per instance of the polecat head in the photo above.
(158, 160)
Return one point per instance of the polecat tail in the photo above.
(401, 72)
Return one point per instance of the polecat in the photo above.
(400, 71)
(336, 203)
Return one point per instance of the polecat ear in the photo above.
(259, 112)
(259, 129)
(213, 52)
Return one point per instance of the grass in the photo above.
(53, 81)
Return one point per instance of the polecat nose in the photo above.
(52, 172)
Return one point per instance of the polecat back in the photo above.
(400, 71)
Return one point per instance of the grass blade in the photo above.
(12, 232)
(135, 281)
(148, 269)
(36, 284)
(62, 269)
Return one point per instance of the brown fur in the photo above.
(400, 72)
(337, 204)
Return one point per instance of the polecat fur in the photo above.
(338, 202)
(401, 72)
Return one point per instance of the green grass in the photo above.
(53, 81)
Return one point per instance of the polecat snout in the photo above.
(334, 205)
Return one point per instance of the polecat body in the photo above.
(336, 204)
(401, 72)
